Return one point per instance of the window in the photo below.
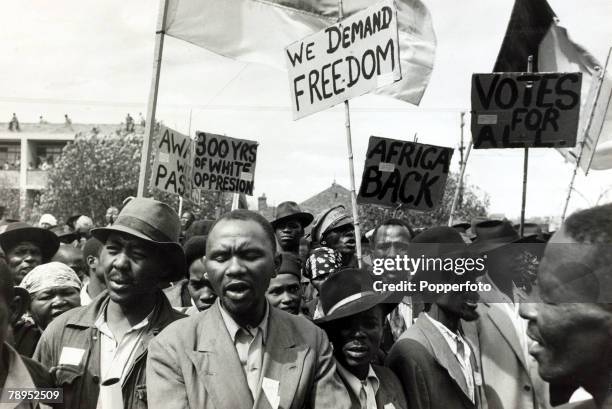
(10, 155)
(47, 154)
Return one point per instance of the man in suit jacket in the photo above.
(243, 353)
(437, 366)
(509, 375)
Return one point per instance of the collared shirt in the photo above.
(17, 378)
(116, 357)
(318, 312)
(366, 390)
(85, 298)
(249, 343)
(453, 340)
(400, 318)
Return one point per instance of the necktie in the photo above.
(460, 348)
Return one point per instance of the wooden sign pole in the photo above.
(349, 144)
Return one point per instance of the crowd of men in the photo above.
(161, 311)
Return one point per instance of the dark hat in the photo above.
(290, 264)
(19, 232)
(439, 242)
(348, 292)
(443, 243)
(291, 211)
(64, 233)
(194, 248)
(198, 228)
(72, 220)
(493, 234)
(461, 227)
(152, 221)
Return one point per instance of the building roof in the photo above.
(55, 130)
(334, 195)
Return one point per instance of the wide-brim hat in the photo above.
(154, 222)
(441, 243)
(494, 234)
(291, 211)
(348, 292)
(19, 232)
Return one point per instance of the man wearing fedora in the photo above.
(570, 319)
(26, 247)
(285, 290)
(241, 353)
(509, 374)
(434, 360)
(353, 321)
(105, 343)
(289, 226)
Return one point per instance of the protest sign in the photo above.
(401, 172)
(345, 60)
(172, 165)
(224, 164)
(525, 110)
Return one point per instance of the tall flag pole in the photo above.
(152, 104)
(349, 145)
(525, 167)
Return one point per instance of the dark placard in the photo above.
(400, 172)
(224, 164)
(525, 110)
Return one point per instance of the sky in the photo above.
(93, 60)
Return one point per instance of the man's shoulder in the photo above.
(299, 325)
(70, 318)
(412, 343)
(187, 327)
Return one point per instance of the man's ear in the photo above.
(20, 304)
(91, 260)
(278, 259)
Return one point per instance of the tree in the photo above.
(471, 206)
(95, 172)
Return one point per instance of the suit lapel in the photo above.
(504, 325)
(216, 362)
(283, 362)
(442, 353)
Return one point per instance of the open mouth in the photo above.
(357, 351)
(237, 290)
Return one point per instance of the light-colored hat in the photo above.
(48, 275)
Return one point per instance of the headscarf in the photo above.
(48, 275)
(322, 260)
